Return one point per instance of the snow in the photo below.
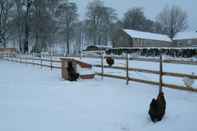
(147, 35)
(160, 37)
(37, 99)
(84, 71)
(185, 35)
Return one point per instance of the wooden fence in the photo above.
(127, 69)
(7, 51)
(147, 59)
(161, 73)
(34, 61)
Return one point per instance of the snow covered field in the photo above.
(35, 99)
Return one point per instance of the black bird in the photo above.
(72, 74)
(157, 108)
(110, 61)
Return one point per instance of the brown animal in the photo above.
(110, 61)
(157, 108)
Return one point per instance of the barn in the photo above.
(134, 38)
(186, 39)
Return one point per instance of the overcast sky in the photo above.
(151, 8)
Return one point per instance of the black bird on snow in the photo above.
(157, 108)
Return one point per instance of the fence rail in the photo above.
(40, 62)
(172, 86)
(151, 71)
(161, 73)
(21, 60)
(168, 61)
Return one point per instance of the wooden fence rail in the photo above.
(40, 62)
(172, 86)
(160, 73)
(170, 61)
(21, 60)
(152, 72)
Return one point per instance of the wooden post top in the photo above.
(81, 63)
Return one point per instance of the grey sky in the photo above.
(151, 8)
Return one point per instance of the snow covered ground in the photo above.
(35, 99)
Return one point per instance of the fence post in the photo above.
(10, 58)
(51, 62)
(80, 55)
(160, 74)
(41, 61)
(127, 68)
(102, 64)
(20, 59)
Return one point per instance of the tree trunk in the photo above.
(26, 45)
(68, 46)
(4, 41)
(68, 41)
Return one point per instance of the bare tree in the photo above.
(41, 23)
(100, 19)
(67, 17)
(42, 19)
(27, 26)
(172, 20)
(5, 19)
(22, 23)
(79, 36)
(19, 23)
(134, 19)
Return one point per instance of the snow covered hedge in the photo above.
(174, 52)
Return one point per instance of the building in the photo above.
(134, 38)
(7, 51)
(186, 39)
(98, 47)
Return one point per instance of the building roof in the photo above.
(98, 47)
(147, 35)
(185, 35)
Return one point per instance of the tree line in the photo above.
(41, 23)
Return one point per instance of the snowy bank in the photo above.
(35, 99)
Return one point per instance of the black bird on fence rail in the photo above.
(110, 61)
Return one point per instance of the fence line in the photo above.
(102, 74)
(172, 86)
(21, 60)
(160, 73)
(170, 61)
(152, 72)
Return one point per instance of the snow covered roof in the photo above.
(147, 35)
(185, 35)
(100, 46)
(104, 46)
